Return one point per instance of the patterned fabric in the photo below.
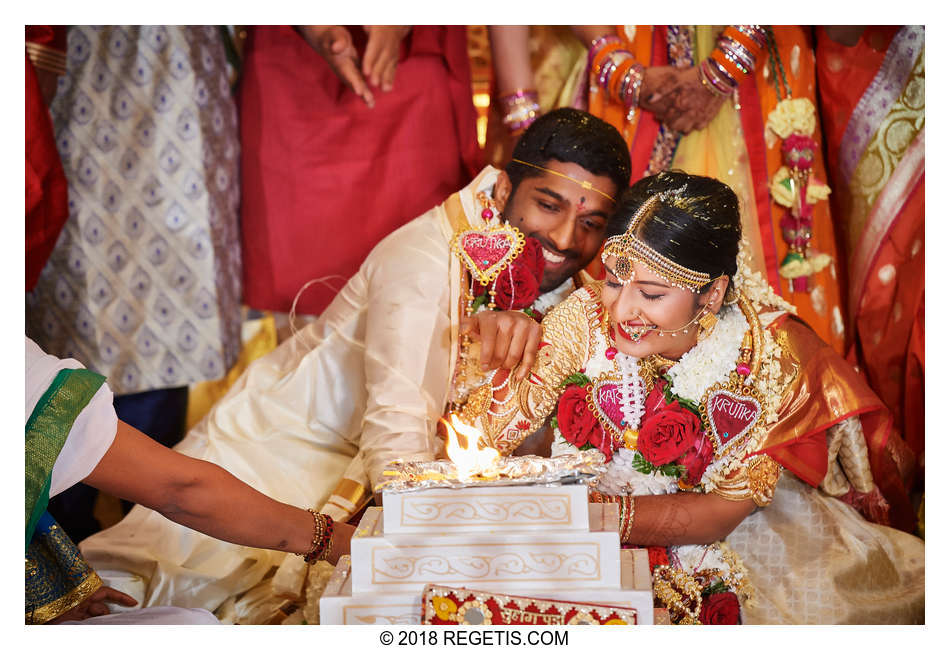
(144, 284)
(57, 576)
(814, 561)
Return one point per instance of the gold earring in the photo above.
(707, 323)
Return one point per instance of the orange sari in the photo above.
(737, 149)
(826, 391)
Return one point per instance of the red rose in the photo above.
(658, 556)
(665, 436)
(532, 257)
(602, 440)
(655, 401)
(720, 609)
(697, 459)
(575, 421)
(517, 287)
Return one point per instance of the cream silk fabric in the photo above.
(812, 559)
(362, 385)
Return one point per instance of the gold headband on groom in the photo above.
(628, 249)
(587, 185)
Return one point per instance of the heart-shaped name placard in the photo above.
(603, 398)
(487, 251)
(730, 413)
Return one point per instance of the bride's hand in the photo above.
(507, 338)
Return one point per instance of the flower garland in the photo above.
(711, 360)
(505, 269)
(631, 390)
(664, 436)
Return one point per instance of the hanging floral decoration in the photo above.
(793, 186)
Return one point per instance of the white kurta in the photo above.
(371, 376)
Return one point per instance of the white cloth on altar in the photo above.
(362, 385)
(92, 431)
(153, 616)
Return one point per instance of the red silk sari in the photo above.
(324, 177)
(873, 114)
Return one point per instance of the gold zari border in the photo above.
(66, 602)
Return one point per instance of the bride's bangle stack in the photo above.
(733, 59)
(614, 71)
(521, 108)
(322, 542)
(627, 505)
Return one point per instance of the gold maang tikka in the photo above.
(629, 249)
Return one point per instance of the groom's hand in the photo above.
(507, 339)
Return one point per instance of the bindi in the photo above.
(581, 202)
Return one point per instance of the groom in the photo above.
(315, 422)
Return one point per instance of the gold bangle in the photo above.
(326, 549)
(626, 523)
(46, 58)
(318, 533)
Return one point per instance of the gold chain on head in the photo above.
(628, 249)
(587, 185)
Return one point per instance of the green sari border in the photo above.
(46, 431)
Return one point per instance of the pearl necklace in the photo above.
(632, 396)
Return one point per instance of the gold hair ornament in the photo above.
(587, 185)
(628, 249)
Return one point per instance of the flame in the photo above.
(461, 445)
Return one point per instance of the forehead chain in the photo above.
(587, 185)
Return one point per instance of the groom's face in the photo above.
(568, 220)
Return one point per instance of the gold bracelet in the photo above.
(46, 58)
(329, 547)
(680, 592)
(626, 522)
(319, 526)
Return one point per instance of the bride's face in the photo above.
(640, 309)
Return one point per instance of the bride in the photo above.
(752, 460)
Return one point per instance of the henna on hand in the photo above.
(678, 98)
(685, 518)
(660, 521)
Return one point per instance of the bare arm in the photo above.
(204, 496)
(685, 518)
(511, 57)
